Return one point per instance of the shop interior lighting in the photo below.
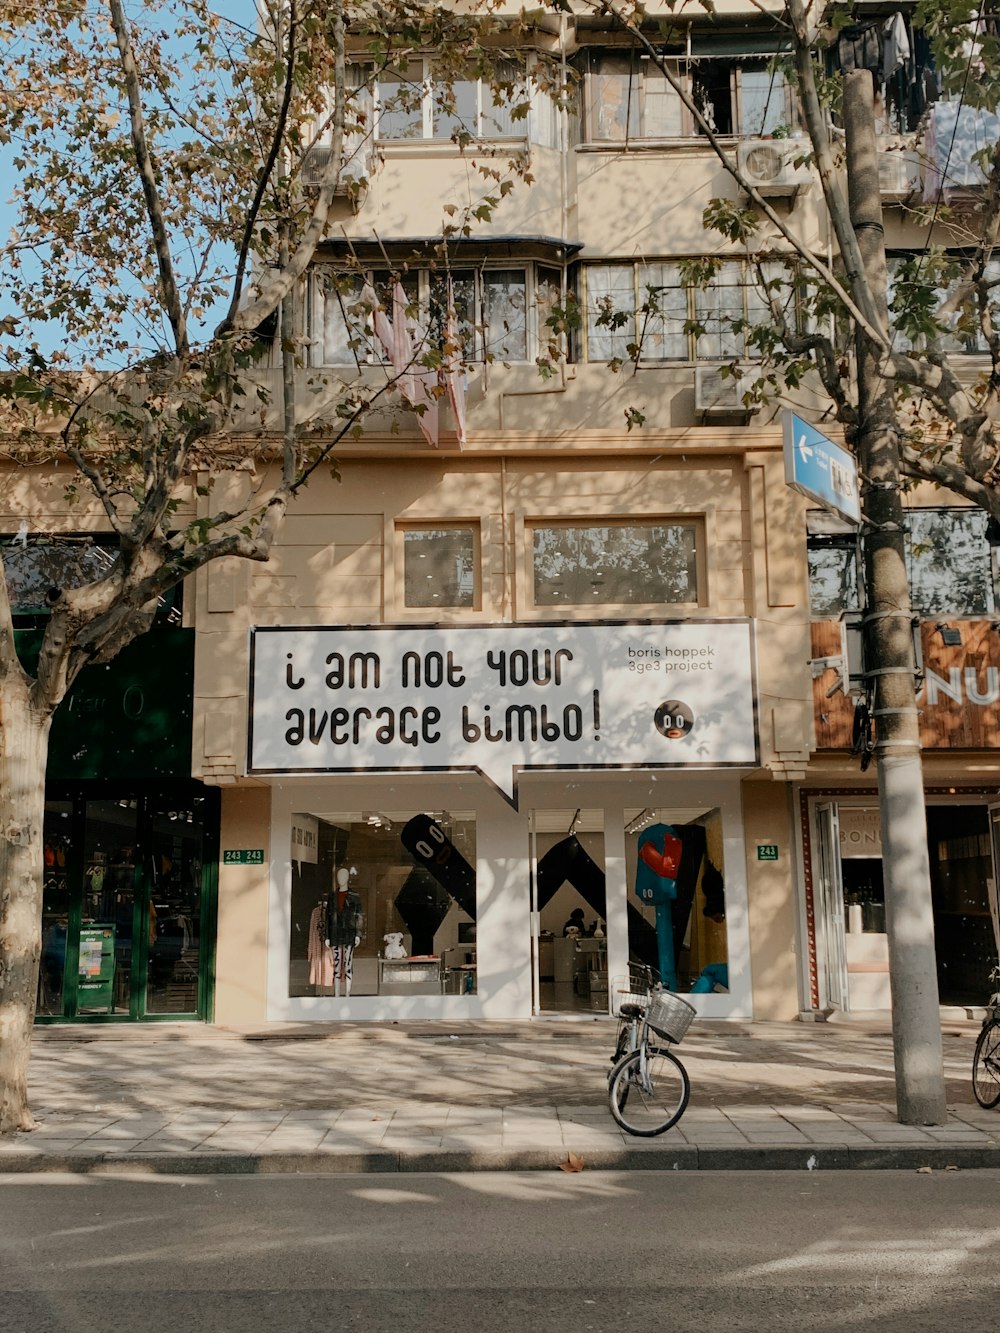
(641, 821)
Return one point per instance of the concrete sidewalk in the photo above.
(419, 1097)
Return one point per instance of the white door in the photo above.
(994, 881)
(830, 948)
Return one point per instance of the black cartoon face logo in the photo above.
(673, 719)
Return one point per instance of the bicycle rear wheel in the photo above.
(648, 1103)
(986, 1066)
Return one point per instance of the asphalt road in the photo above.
(489, 1252)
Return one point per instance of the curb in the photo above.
(655, 1157)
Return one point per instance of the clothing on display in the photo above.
(319, 953)
(344, 918)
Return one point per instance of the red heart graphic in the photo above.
(663, 863)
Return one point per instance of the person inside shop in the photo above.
(576, 923)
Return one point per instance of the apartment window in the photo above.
(951, 561)
(744, 96)
(493, 314)
(412, 104)
(617, 563)
(649, 312)
(439, 566)
(630, 97)
(726, 309)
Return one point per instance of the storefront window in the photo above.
(383, 903)
(951, 562)
(124, 904)
(677, 898)
(646, 563)
(439, 567)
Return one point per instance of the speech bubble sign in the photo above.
(500, 699)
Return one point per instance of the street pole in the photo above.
(889, 664)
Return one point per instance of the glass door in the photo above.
(127, 906)
(992, 883)
(569, 911)
(112, 910)
(830, 906)
(172, 930)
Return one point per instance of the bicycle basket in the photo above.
(631, 989)
(669, 1015)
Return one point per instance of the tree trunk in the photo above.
(889, 664)
(23, 755)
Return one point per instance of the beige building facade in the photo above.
(404, 710)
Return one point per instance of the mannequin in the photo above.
(344, 922)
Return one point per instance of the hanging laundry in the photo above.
(895, 45)
(860, 47)
(405, 342)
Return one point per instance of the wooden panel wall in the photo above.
(959, 700)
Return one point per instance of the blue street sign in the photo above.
(821, 470)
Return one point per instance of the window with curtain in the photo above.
(629, 97)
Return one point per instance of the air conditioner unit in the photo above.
(773, 166)
(719, 397)
(899, 175)
(355, 168)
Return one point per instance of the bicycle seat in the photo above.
(631, 1011)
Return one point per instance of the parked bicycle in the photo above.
(986, 1061)
(648, 1087)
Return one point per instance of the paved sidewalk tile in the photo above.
(414, 1096)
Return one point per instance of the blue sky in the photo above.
(47, 337)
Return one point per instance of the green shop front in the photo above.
(130, 843)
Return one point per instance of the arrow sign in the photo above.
(821, 470)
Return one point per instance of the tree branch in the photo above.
(154, 210)
(952, 476)
(264, 176)
(274, 288)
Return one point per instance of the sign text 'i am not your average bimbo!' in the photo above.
(500, 698)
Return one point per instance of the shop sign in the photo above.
(243, 856)
(500, 699)
(860, 831)
(305, 839)
(767, 851)
(97, 966)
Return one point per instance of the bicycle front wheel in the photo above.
(986, 1066)
(647, 1097)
